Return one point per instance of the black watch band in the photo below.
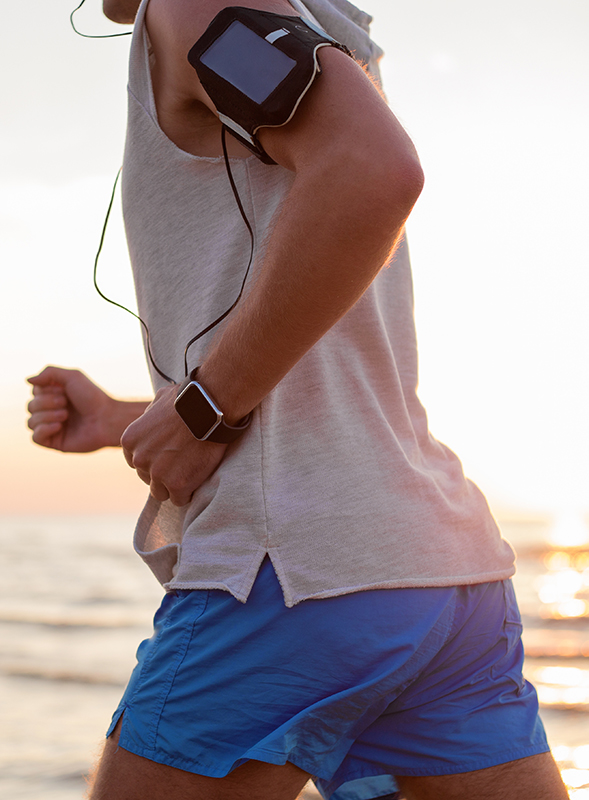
(202, 416)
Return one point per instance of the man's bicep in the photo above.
(342, 113)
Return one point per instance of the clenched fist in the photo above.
(70, 413)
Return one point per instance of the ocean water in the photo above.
(75, 601)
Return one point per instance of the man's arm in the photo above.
(70, 413)
(356, 179)
(122, 11)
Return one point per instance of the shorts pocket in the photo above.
(149, 647)
(161, 657)
(510, 663)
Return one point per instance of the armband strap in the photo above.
(256, 67)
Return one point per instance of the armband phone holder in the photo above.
(256, 67)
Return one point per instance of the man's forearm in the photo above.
(332, 238)
(123, 413)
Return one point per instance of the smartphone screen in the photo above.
(248, 62)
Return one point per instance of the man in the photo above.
(338, 603)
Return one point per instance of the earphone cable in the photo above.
(224, 314)
(113, 302)
(249, 263)
(94, 36)
(104, 227)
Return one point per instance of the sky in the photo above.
(494, 96)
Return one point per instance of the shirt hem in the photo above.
(292, 599)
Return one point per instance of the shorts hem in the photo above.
(208, 769)
(280, 758)
(503, 758)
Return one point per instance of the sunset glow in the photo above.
(499, 328)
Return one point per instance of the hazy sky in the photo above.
(495, 98)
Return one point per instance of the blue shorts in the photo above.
(353, 689)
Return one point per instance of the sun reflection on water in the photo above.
(569, 530)
(563, 590)
(574, 768)
(561, 687)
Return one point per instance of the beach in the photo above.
(76, 601)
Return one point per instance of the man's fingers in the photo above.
(47, 418)
(56, 375)
(49, 389)
(145, 476)
(47, 402)
(43, 434)
(180, 487)
(159, 491)
(129, 458)
(180, 499)
(156, 487)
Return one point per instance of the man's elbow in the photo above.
(403, 182)
(393, 183)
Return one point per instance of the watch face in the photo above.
(198, 411)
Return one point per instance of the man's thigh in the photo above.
(533, 778)
(122, 775)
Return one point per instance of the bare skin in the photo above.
(125, 776)
(356, 180)
(532, 778)
(122, 11)
(70, 413)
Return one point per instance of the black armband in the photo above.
(256, 67)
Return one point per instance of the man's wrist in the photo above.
(203, 416)
(225, 392)
(123, 413)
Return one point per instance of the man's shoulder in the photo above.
(185, 20)
(175, 25)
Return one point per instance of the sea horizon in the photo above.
(76, 601)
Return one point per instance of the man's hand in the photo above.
(165, 454)
(70, 413)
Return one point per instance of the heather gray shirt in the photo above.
(337, 479)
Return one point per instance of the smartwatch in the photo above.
(202, 416)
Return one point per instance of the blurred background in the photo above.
(495, 99)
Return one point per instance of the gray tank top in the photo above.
(337, 479)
